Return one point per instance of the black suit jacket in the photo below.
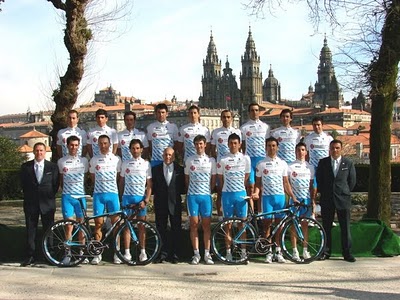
(168, 198)
(41, 194)
(335, 190)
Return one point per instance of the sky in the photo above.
(156, 52)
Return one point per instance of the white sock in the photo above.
(278, 250)
(196, 252)
(142, 251)
(127, 251)
(206, 252)
(295, 251)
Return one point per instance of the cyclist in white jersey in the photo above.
(72, 170)
(301, 176)
(161, 134)
(101, 129)
(317, 145)
(128, 134)
(104, 170)
(233, 172)
(72, 129)
(189, 131)
(135, 182)
(272, 180)
(254, 134)
(219, 148)
(287, 137)
(200, 173)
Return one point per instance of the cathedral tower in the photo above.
(250, 77)
(271, 88)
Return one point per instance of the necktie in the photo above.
(168, 174)
(335, 167)
(39, 172)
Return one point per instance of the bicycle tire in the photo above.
(315, 244)
(239, 251)
(152, 243)
(58, 250)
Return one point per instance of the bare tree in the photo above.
(82, 18)
(372, 30)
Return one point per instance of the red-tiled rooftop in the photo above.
(33, 134)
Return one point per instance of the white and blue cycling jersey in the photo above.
(161, 135)
(135, 172)
(288, 138)
(317, 146)
(105, 169)
(64, 134)
(96, 132)
(300, 173)
(219, 138)
(73, 169)
(254, 134)
(271, 171)
(200, 168)
(234, 167)
(187, 133)
(124, 139)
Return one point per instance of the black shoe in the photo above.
(349, 258)
(174, 259)
(160, 260)
(29, 261)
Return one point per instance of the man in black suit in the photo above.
(168, 185)
(40, 182)
(336, 177)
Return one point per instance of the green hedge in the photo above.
(363, 178)
(10, 184)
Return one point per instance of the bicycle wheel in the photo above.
(295, 233)
(232, 240)
(62, 251)
(137, 242)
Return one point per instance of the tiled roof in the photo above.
(33, 134)
(25, 149)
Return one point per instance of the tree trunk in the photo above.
(382, 76)
(76, 38)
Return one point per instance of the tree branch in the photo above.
(58, 4)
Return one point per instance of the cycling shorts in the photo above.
(102, 201)
(271, 203)
(70, 205)
(199, 205)
(304, 211)
(234, 204)
(132, 199)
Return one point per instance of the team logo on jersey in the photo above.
(294, 174)
(265, 171)
(248, 133)
(220, 140)
(228, 167)
(279, 139)
(312, 146)
(65, 169)
(123, 142)
(127, 171)
(154, 135)
(98, 167)
(95, 140)
(218, 165)
(192, 168)
(187, 135)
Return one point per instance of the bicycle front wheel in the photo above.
(307, 236)
(63, 243)
(137, 242)
(232, 240)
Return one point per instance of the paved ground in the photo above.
(368, 278)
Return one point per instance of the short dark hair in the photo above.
(73, 111)
(226, 111)
(300, 144)
(101, 112)
(317, 119)
(39, 144)
(104, 136)
(336, 141)
(130, 113)
(161, 106)
(285, 111)
(199, 138)
(194, 107)
(72, 138)
(253, 104)
(234, 136)
(134, 142)
(271, 139)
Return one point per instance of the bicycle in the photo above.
(243, 236)
(81, 245)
